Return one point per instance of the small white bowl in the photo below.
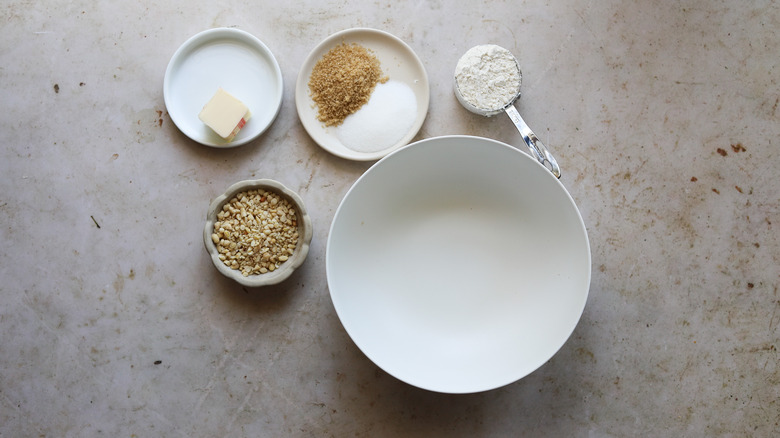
(285, 269)
(234, 60)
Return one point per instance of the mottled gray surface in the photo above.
(663, 116)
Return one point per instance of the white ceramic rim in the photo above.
(305, 232)
(359, 270)
(238, 62)
(398, 61)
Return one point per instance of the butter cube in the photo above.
(224, 114)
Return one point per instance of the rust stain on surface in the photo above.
(737, 148)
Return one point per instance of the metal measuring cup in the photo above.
(535, 146)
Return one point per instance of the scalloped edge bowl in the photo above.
(305, 232)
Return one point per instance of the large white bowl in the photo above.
(458, 264)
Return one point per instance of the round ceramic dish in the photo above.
(458, 264)
(234, 60)
(398, 62)
(286, 268)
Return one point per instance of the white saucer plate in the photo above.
(398, 61)
(234, 60)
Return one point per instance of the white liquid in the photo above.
(383, 121)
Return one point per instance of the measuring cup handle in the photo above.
(537, 148)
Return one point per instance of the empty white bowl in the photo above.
(458, 264)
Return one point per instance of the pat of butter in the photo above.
(224, 114)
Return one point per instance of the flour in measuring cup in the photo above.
(488, 77)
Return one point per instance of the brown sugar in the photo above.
(342, 81)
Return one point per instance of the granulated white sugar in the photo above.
(383, 121)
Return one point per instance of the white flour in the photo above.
(488, 77)
(383, 121)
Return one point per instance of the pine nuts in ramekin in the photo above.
(258, 232)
